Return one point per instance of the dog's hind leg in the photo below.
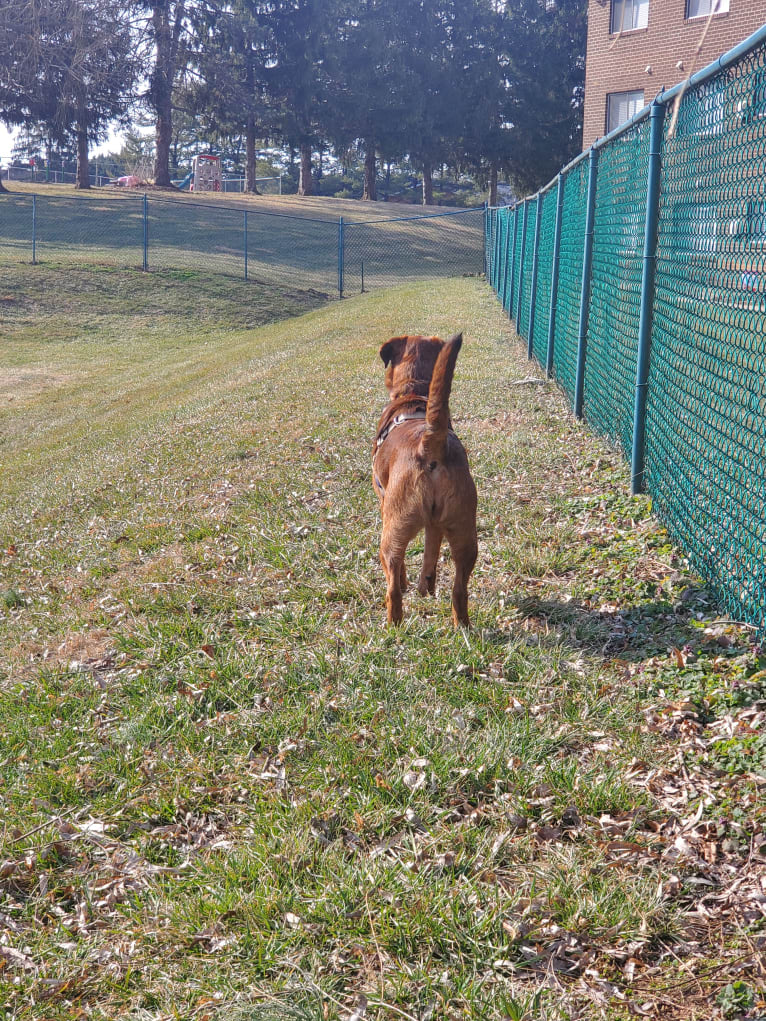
(464, 553)
(393, 544)
(403, 583)
(427, 582)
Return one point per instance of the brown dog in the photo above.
(420, 471)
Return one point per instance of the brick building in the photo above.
(638, 47)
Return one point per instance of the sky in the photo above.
(6, 141)
(113, 142)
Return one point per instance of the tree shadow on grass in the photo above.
(633, 633)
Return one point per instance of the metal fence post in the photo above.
(34, 230)
(490, 246)
(554, 277)
(146, 233)
(484, 255)
(245, 242)
(533, 289)
(521, 263)
(341, 254)
(656, 119)
(587, 262)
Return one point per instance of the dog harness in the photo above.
(406, 416)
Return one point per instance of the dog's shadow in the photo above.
(633, 633)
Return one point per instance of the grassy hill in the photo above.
(229, 791)
(289, 241)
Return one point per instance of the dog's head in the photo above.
(410, 364)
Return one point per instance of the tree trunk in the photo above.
(305, 184)
(493, 184)
(166, 42)
(428, 184)
(83, 170)
(370, 166)
(164, 136)
(251, 184)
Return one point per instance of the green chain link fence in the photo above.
(154, 232)
(570, 277)
(649, 289)
(539, 338)
(615, 299)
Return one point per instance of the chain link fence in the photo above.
(647, 280)
(156, 232)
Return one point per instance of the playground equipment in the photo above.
(206, 171)
(184, 182)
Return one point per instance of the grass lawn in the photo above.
(229, 792)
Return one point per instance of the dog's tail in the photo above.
(433, 446)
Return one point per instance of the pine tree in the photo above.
(229, 51)
(68, 65)
(545, 49)
(371, 86)
(164, 29)
(296, 78)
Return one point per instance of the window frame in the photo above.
(615, 29)
(627, 92)
(723, 8)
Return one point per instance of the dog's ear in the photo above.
(391, 351)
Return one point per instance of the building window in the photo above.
(630, 14)
(620, 107)
(704, 8)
